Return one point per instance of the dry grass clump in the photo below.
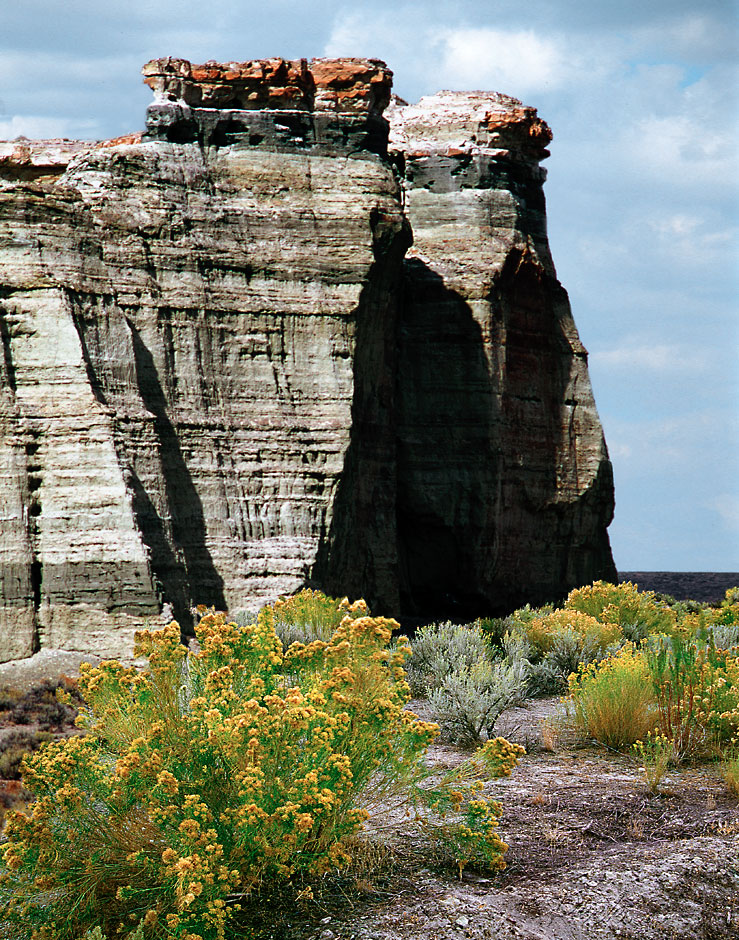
(613, 701)
(730, 770)
(680, 683)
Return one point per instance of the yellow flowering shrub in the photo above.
(542, 632)
(311, 615)
(613, 701)
(213, 772)
(636, 613)
(720, 623)
(687, 690)
(654, 754)
(696, 687)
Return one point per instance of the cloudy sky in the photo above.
(642, 194)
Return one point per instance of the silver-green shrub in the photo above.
(440, 649)
(725, 635)
(569, 650)
(468, 701)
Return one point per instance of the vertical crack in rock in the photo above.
(9, 370)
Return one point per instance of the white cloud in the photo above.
(660, 357)
(432, 55)
(518, 62)
(688, 148)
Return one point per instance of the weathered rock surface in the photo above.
(504, 476)
(221, 380)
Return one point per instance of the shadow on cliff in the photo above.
(181, 565)
(358, 554)
(465, 518)
(448, 454)
(186, 509)
(412, 530)
(552, 518)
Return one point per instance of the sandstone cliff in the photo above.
(226, 374)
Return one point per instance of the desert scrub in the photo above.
(213, 772)
(311, 615)
(636, 613)
(40, 705)
(469, 701)
(467, 686)
(556, 643)
(730, 768)
(440, 649)
(696, 687)
(613, 701)
(14, 747)
(718, 624)
(655, 753)
(542, 632)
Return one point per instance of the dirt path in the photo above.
(592, 856)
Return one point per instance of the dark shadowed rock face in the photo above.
(504, 483)
(224, 374)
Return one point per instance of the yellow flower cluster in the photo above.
(542, 631)
(637, 613)
(214, 771)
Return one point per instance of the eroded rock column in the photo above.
(504, 483)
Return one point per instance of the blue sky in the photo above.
(642, 195)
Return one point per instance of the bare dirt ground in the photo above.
(592, 854)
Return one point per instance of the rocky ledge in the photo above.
(331, 104)
(258, 348)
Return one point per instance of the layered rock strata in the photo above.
(505, 487)
(221, 380)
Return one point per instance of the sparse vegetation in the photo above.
(213, 773)
(730, 769)
(252, 761)
(655, 754)
(14, 747)
(613, 700)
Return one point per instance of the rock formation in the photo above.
(226, 373)
(505, 488)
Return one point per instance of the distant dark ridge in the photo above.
(707, 586)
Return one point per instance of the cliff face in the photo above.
(505, 488)
(223, 378)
